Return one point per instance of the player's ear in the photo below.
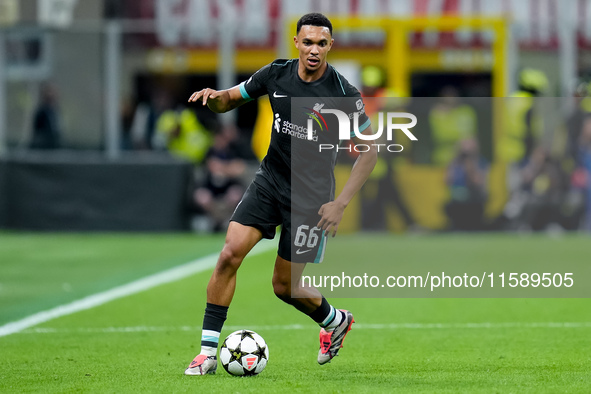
(295, 41)
(331, 42)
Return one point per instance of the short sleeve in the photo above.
(256, 85)
(355, 105)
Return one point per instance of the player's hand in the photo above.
(331, 214)
(205, 95)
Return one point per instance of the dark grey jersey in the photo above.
(295, 169)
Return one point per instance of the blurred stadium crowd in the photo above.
(520, 162)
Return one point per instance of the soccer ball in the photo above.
(244, 353)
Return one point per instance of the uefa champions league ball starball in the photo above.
(244, 353)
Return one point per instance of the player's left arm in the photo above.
(332, 212)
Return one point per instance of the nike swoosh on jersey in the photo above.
(279, 95)
(302, 251)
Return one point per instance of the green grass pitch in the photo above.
(143, 342)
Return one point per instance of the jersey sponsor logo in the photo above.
(279, 95)
(292, 130)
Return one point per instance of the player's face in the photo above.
(313, 43)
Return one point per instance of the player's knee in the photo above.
(229, 259)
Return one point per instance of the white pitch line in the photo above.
(357, 326)
(168, 276)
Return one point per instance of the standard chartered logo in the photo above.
(293, 130)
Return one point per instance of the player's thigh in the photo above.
(258, 209)
(240, 240)
(301, 241)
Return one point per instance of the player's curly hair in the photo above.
(314, 19)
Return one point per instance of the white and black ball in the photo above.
(244, 353)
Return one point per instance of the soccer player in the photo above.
(294, 188)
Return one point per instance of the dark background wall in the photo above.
(3, 193)
(78, 192)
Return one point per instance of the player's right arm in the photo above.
(219, 100)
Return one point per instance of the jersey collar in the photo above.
(316, 82)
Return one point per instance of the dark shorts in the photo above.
(300, 240)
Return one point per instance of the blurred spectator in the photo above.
(523, 126)
(46, 121)
(143, 127)
(519, 145)
(467, 181)
(578, 125)
(223, 187)
(450, 121)
(381, 191)
(181, 133)
(586, 164)
(545, 196)
(127, 115)
(373, 79)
